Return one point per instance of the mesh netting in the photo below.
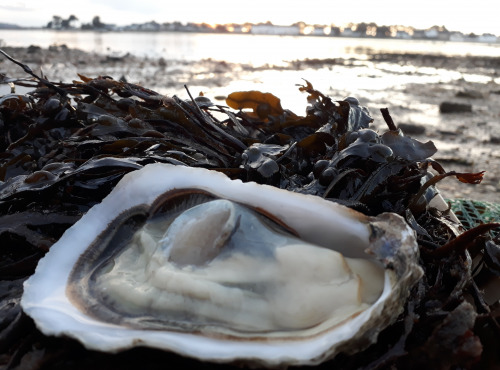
(472, 212)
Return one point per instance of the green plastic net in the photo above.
(472, 212)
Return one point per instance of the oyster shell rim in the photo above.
(98, 335)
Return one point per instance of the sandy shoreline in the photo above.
(467, 141)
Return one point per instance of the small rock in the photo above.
(412, 128)
(33, 49)
(447, 133)
(162, 62)
(470, 94)
(451, 107)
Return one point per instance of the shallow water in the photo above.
(237, 48)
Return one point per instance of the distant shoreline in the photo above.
(476, 39)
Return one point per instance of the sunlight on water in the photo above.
(339, 67)
(252, 49)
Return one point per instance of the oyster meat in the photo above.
(187, 260)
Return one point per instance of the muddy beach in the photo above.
(412, 86)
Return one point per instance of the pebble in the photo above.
(470, 94)
(452, 107)
(412, 128)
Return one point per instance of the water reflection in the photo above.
(98, 42)
(256, 50)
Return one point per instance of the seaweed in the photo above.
(64, 146)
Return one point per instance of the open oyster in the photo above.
(187, 260)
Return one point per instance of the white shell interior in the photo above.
(219, 263)
(46, 301)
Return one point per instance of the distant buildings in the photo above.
(270, 29)
(364, 30)
(487, 37)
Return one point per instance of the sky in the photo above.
(478, 16)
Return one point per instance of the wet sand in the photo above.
(466, 141)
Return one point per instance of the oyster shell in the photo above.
(187, 260)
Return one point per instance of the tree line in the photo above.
(59, 23)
